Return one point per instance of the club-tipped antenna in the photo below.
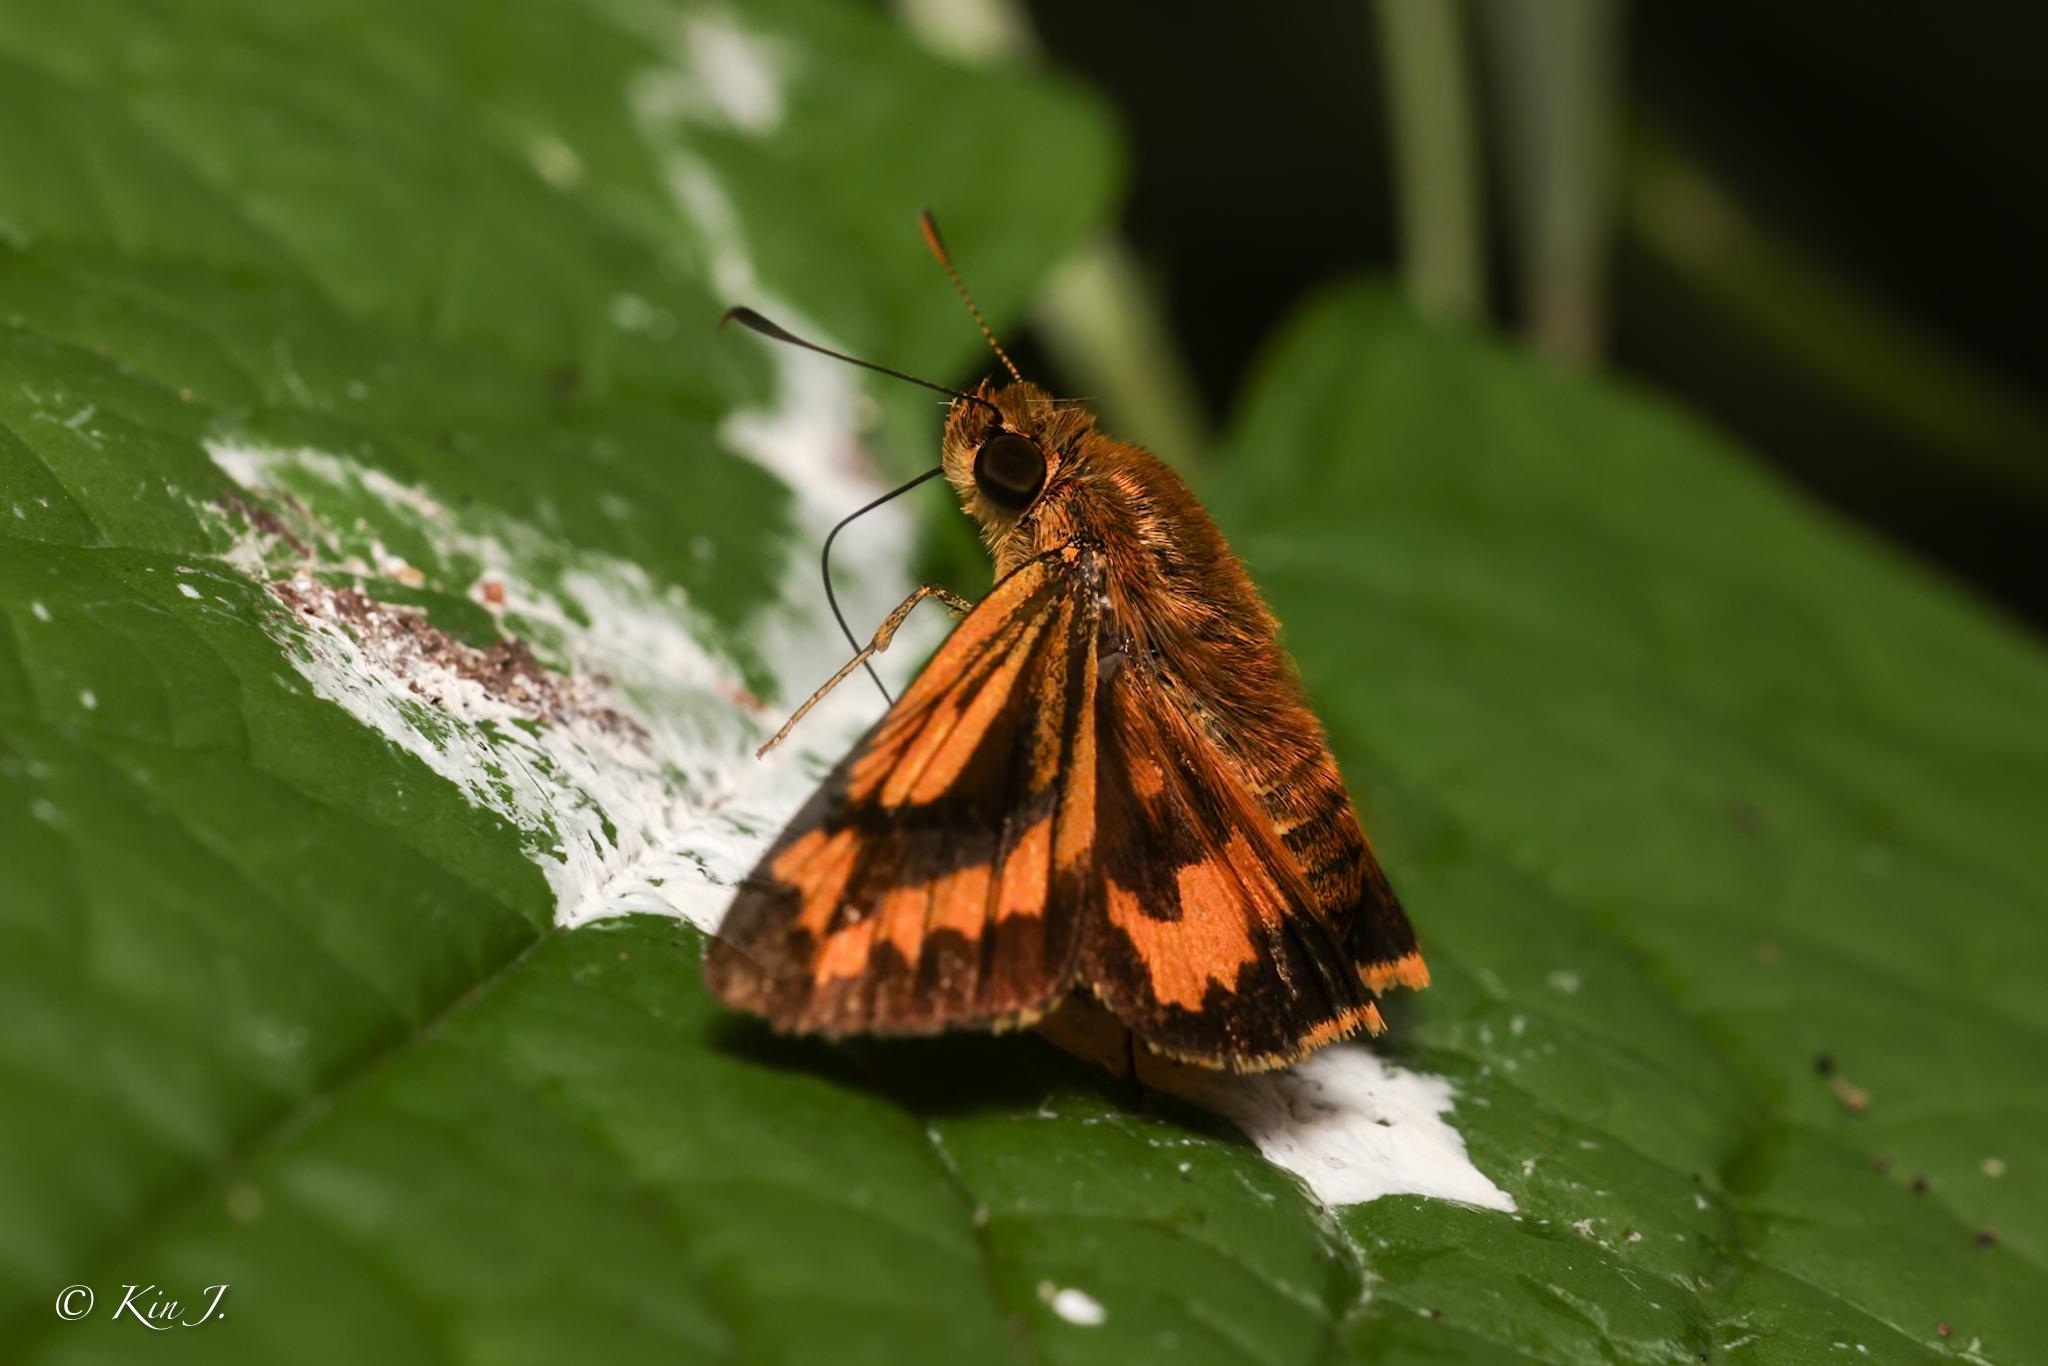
(938, 246)
(754, 322)
(825, 567)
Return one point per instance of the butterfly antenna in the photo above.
(825, 566)
(754, 322)
(938, 246)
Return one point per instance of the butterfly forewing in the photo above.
(935, 879)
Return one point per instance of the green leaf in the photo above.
(313, 312)
(1695, 794)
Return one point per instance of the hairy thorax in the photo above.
(1180, 606)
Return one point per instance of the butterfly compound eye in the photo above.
(1009, 469)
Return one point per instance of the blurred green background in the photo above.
(1632, 415)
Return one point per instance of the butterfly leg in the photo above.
(885, 633)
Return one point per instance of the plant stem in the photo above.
(1554, 79)
(1436, 158)
(1104, 320)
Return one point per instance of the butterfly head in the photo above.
(1006, 452)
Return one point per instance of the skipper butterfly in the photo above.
(1105, 795)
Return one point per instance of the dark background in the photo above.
(1876, 336)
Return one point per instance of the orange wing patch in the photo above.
(1207, 946)
(938, 876)
(1406, 971)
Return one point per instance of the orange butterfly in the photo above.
(1104, 795)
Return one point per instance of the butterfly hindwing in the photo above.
(1313, 814)
(1205, 937)
(937, 877)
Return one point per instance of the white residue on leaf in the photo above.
(1075, 1306)
(1353, 1127)
(668, 816)
(247, 465)
(660, 814)
(806, 440)
(706, 206)
(715, 72)
(740, 72)
(585, 794)
(631, 313)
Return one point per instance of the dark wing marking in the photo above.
(1379, 940)
(1312, 813)
(1313, 818)
(1206, 938)
(937, 878)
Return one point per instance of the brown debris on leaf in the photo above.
(1852, 1097)
(742, 698)
(441, 669)
(263, 520)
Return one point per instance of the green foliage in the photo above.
(1686, 785)
(1696, 795)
